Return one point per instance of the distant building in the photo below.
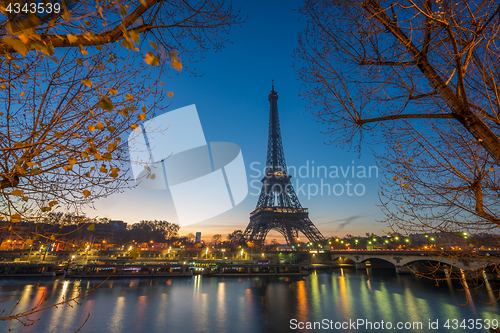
(198, 237)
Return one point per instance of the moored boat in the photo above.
(256, 270)
(21, 270)
(129, 271)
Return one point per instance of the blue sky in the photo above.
(231, 99)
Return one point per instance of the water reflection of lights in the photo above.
(302, 304)
(197, 283)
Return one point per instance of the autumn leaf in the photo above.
(17, 193)
(86, 193)
(46, 209)
(52, 203)
(142, 116)
(72, 39)
(103, 169)
(16, 44)
(88, 83)
(114, 172)
(91, 128)
(134, 253)
(395, 178)
(113, 91)
(15, 218)
(153, 45)
(100, 126)
(105, 103)
(111, 129)
(151, 59)
(135, 36)
(170, 94)
(91, 227)
(24, 37)
(111, 146)
(175, 62)
(129, 97)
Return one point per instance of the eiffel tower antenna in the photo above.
(278, 207)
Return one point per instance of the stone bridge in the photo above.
(402, 259)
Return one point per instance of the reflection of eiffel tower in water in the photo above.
(278, 207)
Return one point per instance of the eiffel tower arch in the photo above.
(278, 207)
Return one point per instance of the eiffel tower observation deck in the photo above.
(278, 207)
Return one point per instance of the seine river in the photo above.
(236, 305)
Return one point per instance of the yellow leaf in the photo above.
(58, 134)
(142, 116)
(16, 44)
(17, 192)
(103, 169)
(49, 147)
(91, 227)
(66, 15)
(53, 203)
(151, 59)
(106, 104)
(72, 39)
(86, 193)
(111, 146)
(135, 36)
(129, 97)
(113, 91)
(25, 198)
(23, 93)
(410, 160)
(28, 242)
(100, 126)
(111, 129)
(91, 128)
(3, 86)
(88, 83)
(153, 45)
(15, 218)
(170, 94)
(71, 161)
(491, 169)
(175, 63)
(114, 172)
(395, 178)
(24, 37)
(46, 209)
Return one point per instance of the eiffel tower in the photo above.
(278, 207)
